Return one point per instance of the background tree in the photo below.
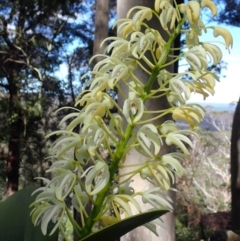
(101, 28)
(205, 188)
(229, 14)
(235, 170)
(32, 37)
(168, 232)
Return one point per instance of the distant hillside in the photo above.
(219, 106)
(218, 115)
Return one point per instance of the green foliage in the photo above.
(115, 231)
(206, 183)
(34, 42)
(15, 215)
(68, 229)
(184, 233)
(15, 220)
(205, 186)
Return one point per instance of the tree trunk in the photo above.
(100, 33)
(142, 234)
(15, 135)
(101, 28)
(235, 171)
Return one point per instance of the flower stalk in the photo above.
(84, 171)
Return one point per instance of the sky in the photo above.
(228, 89)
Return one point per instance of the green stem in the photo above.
(63, 232)
(121, 148)
(74, 223)
(163, 58)
(98, 205)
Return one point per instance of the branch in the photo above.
(5, 33)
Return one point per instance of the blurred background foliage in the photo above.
(45, 47)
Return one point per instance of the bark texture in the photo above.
(101, 28)
(142, 234)
(15, 116)
(235, 170)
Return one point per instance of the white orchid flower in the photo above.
(193, 114)
(227, 36)
(173, 162)
(175, 138)
(133, 108)
(214, 51)
(196, 57)
(181, 89)
(163, 76)
(156, 199)
(67, 164)
(125, 188)
(139, 16)
(168, 126)
(122, 201)
(211, 5)
(148, 137)
(100, 174)
(119, 47)
(63, 181)
(141, 43)
(79, 198)
(46, 212)
(152, 226)
(168, 14)
(116, 125)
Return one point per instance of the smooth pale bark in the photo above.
(101, 28)
(235, 171)
(142, 234)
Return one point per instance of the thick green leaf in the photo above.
(15, 220)
(115, 231)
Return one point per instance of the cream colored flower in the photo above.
(125, 27)
(178, 139)
(192, 11)
(142, 13)
(168, 14)
(125, 188)
(141, 43)
(100, 174)
(214, 51)
(121, 202)
(168, 126)
(79, 198)
(156, 199)
(182, 91)
(220, 31)
(159, 4)
(133, 108)
(164, 76)
(211, 5)
(118, 47)
(191, 113)
(149, 140)
(46, 212)
(195, 10)
(196, 57)
(192, 38)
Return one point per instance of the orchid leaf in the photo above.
(115, 231)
